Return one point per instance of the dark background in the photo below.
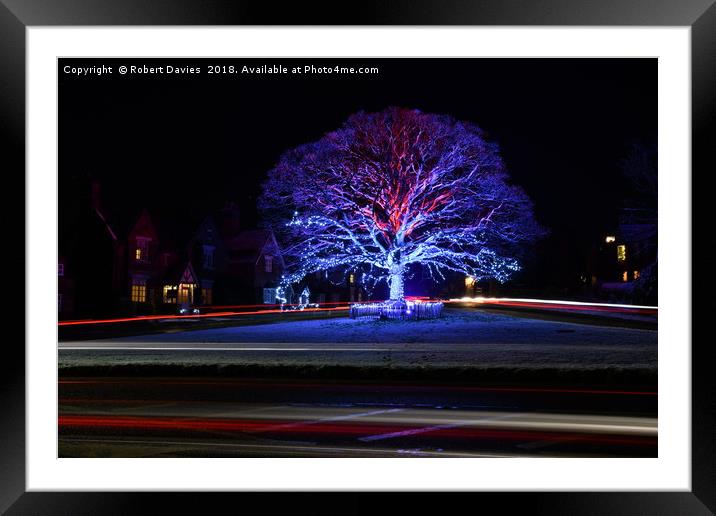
(182, 145)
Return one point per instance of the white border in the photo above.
(670, 471)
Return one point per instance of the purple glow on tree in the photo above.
(393, 189)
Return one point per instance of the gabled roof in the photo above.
(178, 273)
(248, 245)
(144, 225)
(122, 224)
(205, 231)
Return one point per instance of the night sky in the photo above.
(183, 145)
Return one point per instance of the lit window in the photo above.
(186, 293)
(352, 279)
(469, 281)
(636, 275)
(268, 263)
(206, 295)
(60, 269)
(625, 276)
(269, 296)
(139, 291)
(621, 253)
(170, 294)
(141, 252)
(610, 239)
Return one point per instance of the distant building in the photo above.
(624, 256)
(207, 254)
(181, 287)
(254, 267)
(332, 287)
(151, 265)
(142, 259)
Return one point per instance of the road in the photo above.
(463, 337)
(622, 316)
(209, 417)
(287, 405)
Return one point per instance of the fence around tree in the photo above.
(397, 310)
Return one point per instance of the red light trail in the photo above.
(254, 426)
(333, 306)
(585, 308)
(194, 316)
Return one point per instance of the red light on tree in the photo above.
(396, 188)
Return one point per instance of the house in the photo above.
(180, 287)
(254, 267)
(625, 257)
(207, 253)
(159, 265)
(334, 286)
(189, 273)
(142, 259)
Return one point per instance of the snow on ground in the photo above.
(625, 316)
(457, 326)
(461, 338)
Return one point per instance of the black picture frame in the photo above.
(17, 15)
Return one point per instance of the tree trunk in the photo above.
(397, 291)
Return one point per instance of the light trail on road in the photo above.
(394, 419)
(334, 306)
(350, 415)
(289, 450)
(194, 316)
(140, 347)
(551, 302)
(368, 431)
(557, 304)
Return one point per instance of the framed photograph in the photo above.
(419, 252)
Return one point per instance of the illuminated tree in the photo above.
(395, 189)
